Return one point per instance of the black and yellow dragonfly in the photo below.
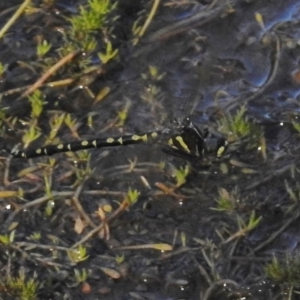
(189, 141)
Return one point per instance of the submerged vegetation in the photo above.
(80, 224)
(285, 270)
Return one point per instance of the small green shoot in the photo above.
(78, 255)
(49, 208)
(51, 162)
(252, 223)
(6, 121)
(81, 275)
(120, 259)
(122, 117)
(285, 270)
(244, 227)
(36, 236)
(91, 18)
(55, 124)
(109, 53)
(151, 93)
(181, 175)
(225, 202)
(7, 239)
(72, 124)
(132, 196)
(238, 126)
(123, 114)
(43, 48)
(37, 104)
(21, 288)
(154, 74)
(31, 134)
(85, 156)
(82, 172)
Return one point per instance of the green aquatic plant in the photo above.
(31, 134)
(132, 196)
(35, 236)
(78, 255)
(244, 226)
(20, 287)
(285, 270)
(226, 201)
(7, 239)
(37, 102)
(238, 125)
(109, 54)
(42, 48)
(81, 275)
(181, 174)
(91, 19)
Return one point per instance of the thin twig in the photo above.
(40, 246)
(56, 194)
(57, 83)
(150, 17)
(275, 234)
(14, 17)
(78, 206)
(50, 72)
(118, 211)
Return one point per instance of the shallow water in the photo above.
(210, 69)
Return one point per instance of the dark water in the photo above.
(212, 65)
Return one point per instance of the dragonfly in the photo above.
(188, 141)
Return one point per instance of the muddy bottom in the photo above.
(143, 221)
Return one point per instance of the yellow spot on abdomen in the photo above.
(136, 137)
(144, 138)
(110, 140)
(84, 143)
(154, 135)
(60, 146)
